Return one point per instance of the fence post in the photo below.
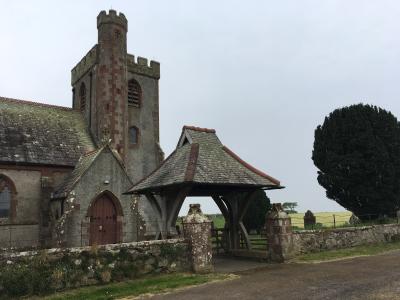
(334, 221)
(10, 235)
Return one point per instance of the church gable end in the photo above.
(101, 173)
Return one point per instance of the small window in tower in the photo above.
(133, 135)
(82, 96)
(134, 93)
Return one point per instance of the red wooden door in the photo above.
(103, 222)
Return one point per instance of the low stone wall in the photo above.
(319, 240)
(38, 272)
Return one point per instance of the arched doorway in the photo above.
(105, 225)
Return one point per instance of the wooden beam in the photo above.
(222, 207)
(244, 205)
(232, 205)
(174, 204)
(245, 235)
(225, 212)
(158, 213)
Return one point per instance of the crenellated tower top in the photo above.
(112, 17)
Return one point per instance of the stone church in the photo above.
(64, 171)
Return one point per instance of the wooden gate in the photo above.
(103, 222)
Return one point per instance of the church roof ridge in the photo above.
(201, 129)
(35, 103)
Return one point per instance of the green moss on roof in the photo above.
(34, 133)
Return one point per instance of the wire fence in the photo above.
(341, 220)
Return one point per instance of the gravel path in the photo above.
(373, 277)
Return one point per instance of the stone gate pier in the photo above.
(197, 231)
(279, 234)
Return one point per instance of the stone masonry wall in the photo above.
(23, 228)
(19, 236)
(57, 269)
(144, 157)
(320, 240)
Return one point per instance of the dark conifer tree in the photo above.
(357, 152)
(254, 219)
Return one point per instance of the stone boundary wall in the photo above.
(62, 268)
(320, 240)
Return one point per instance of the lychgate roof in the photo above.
(35, 133)
(200, 158)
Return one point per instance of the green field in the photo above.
(218, 220)
(326, 219)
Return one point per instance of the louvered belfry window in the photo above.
(82, 96)
(134, 93)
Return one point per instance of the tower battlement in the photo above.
(112, 17)
(142, 66)
(84, 65)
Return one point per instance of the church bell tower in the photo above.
(118, 95)
(111, 80)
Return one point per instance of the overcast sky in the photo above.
(264, 74)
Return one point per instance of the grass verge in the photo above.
(132, 288)
(348, 252)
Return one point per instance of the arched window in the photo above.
(134, 93)
(7, 193)
(82, 96)
(133, 135)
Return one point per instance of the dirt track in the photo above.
(373, 277)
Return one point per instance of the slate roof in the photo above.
(200, 158)
(80, 169)
(36, 133)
